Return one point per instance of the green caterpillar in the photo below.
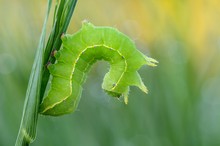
(79, 51)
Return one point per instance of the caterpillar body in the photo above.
(74, 60)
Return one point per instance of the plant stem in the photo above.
(39, 74)
(28, 125)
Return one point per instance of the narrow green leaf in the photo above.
(40, 75)
(27, 131)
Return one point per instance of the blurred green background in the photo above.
(183, 104)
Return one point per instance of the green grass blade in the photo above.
(40, 75)
(27, 131)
